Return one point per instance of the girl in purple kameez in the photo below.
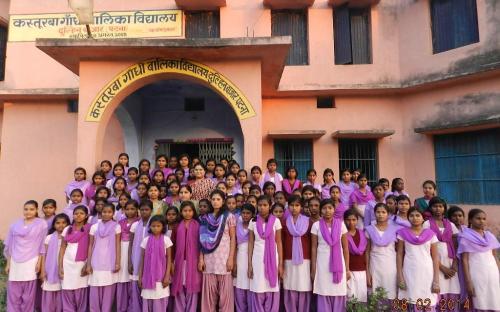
(132, 179)
(106, 168)
(49, 207)
(401, 217)
(104, 254)
(361, 196)
(347, 186)
(76, 197)
(124, 160)
(79, 182)
(328, 182)
(98, 179)
(23, 250)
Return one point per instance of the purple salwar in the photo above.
(265, 302)
(185, 302)
(75, 300)
(242, 300)
(102, 298)
(171, 303)
(38, 295)
(154, 305)
(135, 299)
(122, 296)
(21, 296)
(331, 303)
(51, 301)
(297, 301)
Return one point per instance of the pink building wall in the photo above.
(38, 155)
(113, 140)
(402, 57)
(401, 44)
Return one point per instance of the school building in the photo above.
(399, 88)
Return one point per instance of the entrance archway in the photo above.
(171, 117)
(100, 78)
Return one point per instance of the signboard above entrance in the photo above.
(203, 73)
(126, 24)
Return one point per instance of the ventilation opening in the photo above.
(325, 102)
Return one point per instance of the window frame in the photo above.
(275, 32)
(357, 162)
(450, 18)
(284, 163)
(343, 42)
(187, 27)
(461, 164)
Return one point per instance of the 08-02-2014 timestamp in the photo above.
(424, 304)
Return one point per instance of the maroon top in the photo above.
(357, 263)
(288, 239)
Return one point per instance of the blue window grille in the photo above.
(297, 153)
(468, 167)
(359, 154)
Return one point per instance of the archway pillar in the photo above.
(94, 75)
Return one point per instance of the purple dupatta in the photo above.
(288, 188)
(409, 236)
(80, 237)
(187, 250)
(104, 252)
(357, 249)
(333, 239)
(51, 268)
(211, 231)
(445, 237)
(388, 237)
(25, 242)
(241, 232)
(141, 232)
(472, 241)
(155, 262)
(270, 265)
(297, 230)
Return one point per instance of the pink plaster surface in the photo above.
(38, 155)
(113, 141)
(4, 10)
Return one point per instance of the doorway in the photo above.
(160, 118)
(204, 149)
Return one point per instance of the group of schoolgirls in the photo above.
(271, 244)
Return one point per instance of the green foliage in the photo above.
(377, 301)
(3, 280)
